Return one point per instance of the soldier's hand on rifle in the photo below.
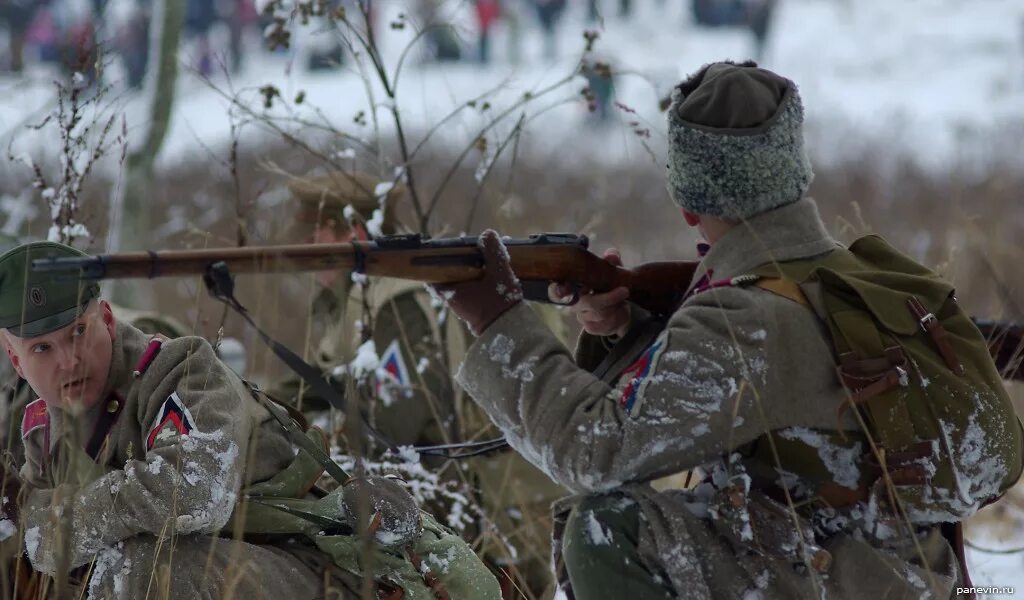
(481, 301)
(600, 314)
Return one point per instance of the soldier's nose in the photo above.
(70, 358)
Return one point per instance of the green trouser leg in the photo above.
(600, 551)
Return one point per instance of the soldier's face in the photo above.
(68, 367)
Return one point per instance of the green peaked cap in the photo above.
(36, 303)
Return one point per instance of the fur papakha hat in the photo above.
(736, 146)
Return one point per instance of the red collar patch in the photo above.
(35, 417)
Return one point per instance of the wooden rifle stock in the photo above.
(538, 261)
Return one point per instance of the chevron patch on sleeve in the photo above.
(172, 420)
(638, 376)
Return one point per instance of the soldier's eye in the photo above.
(40, 348)
(79, 330)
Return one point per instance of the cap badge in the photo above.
(37, 296)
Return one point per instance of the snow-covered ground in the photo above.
(937, 80)
(999, 528)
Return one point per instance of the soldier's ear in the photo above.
(691, 218)
(11, 354)
(107, 314)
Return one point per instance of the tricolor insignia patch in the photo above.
(172, 420)
(392, 372)
(35, 417)
(639, 374)
(392, 364)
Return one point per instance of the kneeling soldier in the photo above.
(136, 452)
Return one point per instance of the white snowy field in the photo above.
(937, 80)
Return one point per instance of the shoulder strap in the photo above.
(787, 288)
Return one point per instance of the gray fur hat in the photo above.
(736, 146)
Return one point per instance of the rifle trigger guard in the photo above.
(562, 301)
(572, 299)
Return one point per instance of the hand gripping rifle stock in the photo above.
(538, 261)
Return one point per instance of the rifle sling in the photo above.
(296, 435)
(221, 286)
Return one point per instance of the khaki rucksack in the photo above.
(940, 436)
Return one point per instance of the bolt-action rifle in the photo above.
(538, 261)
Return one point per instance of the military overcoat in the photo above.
(733, 363)
(185, 435)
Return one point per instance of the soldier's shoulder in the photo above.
(150, 322)
(163, 356)
(733, 294)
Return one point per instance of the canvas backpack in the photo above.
(939, 435)
(436, 564)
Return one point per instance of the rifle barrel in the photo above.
(548, 257)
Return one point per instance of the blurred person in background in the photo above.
(549, 13)
(42, 34)
(15, 16)
(415, 403)
(129, 21)
(512, 14)
(759, 20)
(487, 14)
(200, 16)
(442, 43)
(340, 207)
(75, 23)
(754, 15)
(595, 13)
(241, 16)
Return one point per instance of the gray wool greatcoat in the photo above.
(732, 364)
(161, 485)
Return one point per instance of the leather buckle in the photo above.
(927, 322)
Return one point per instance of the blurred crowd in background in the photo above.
(68, 33)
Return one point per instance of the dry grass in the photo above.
(966, 224)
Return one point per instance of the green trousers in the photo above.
(601, 555)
